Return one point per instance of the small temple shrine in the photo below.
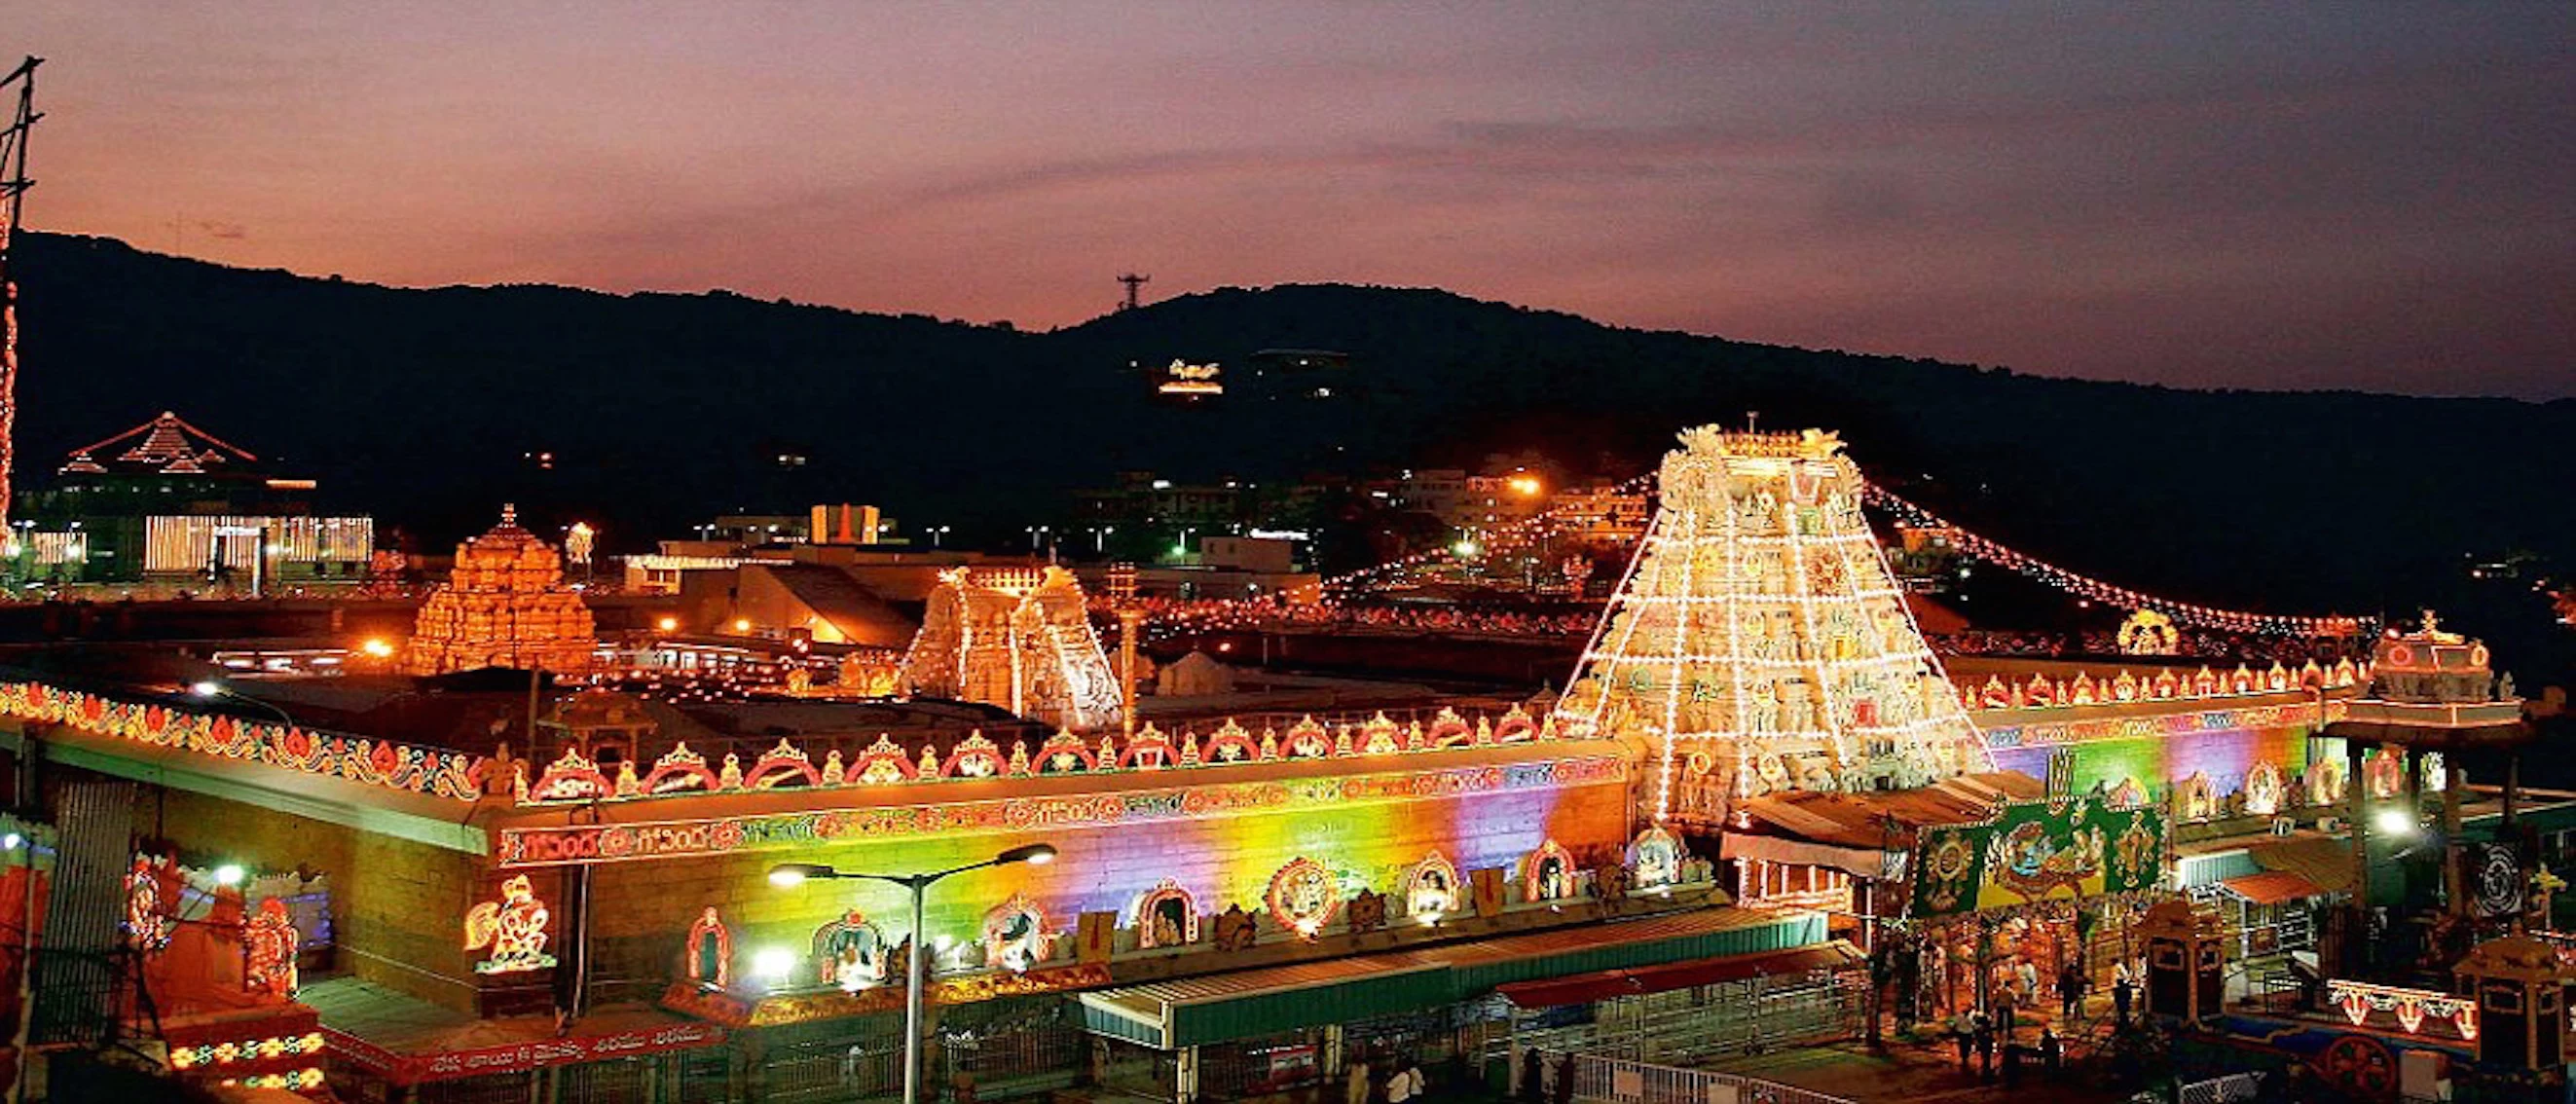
(1018, 638)
(505, 605)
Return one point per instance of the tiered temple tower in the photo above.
(1018, 638)
(1760, 643)
(505, 605)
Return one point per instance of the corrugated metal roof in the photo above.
(1611, 984)
(1268, 1000)
(2324, 861)
(2271, 887)
(1301, 975)
(1861, 819)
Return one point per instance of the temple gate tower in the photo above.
(1759, 642)
(505, 605)
(1019, 638)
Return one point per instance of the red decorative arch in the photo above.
(1547, 874)
(1230, 744)
(784, 765)
(1148, 908)
(679, 769)
(974, 757)
(1152, 750)
(1065, 753)
(708, 927)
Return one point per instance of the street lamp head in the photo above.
(1034, 854)
(791, 875)
(2394, 822)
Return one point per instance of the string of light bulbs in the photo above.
(2085, 586)
(1351, 586)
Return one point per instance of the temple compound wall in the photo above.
(2251, 755)
(1280, 841)
(394, 902)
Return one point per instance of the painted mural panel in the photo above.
(2038, 851)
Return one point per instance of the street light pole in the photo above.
(791, 875)
(915, 968)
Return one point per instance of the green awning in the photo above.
(1175, 1014)
(1250, 1004)
(1680, 937)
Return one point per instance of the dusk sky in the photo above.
(2365, 195)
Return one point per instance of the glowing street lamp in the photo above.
(210, 690)
(2394, 822)
(792, 875)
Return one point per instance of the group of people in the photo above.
(1981, 1039)
(1537, 1086)
(1404, 1085)
(1978, 1036)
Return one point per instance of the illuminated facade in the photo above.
(505, 605)
(1760, 642)
(168, 503)
(469, 883)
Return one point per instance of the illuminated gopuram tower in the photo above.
(505, 605)
(1759, 642)
(1019, 638)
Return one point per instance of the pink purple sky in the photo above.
(2208, 194)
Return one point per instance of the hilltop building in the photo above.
(168, 503)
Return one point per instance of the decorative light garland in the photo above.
(1406, 570)
(575, 778)
(2085, 586)
(2358, 999)
(377, 762)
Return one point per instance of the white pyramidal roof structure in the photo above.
(1759, 642)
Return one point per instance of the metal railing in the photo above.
(2221, 1090)
(1622, 1081)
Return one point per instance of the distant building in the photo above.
(167, 502)
(1600, 512)
(838, 523)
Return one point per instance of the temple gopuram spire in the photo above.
(505, 605)
(1760, 643)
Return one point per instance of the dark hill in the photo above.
(662, 409)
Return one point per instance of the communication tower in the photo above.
(13, 191)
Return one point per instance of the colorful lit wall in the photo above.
(2156, 748)
(1488, 815)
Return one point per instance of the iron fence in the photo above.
(1625, 1081)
